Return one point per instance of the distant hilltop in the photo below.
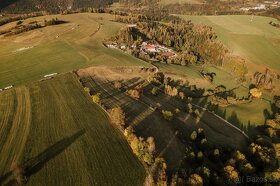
(49, 5)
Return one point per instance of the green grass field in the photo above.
(250, 37)
(60, 48)
(62, 137)
(252, 113)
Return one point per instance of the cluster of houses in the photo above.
(147, 47)
(258, 7)
(157, 48)
(264, 6)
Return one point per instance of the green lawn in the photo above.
(252, 113)
(193, 73)
(222, 77)
(250, 37)
(60, 48)
(63, 138)
(189, 71)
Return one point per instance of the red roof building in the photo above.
(168, 54)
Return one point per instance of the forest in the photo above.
(52, 6)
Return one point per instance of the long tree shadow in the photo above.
(5, 177)
(35, 164)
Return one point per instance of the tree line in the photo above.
(21, 28)
(52, 6)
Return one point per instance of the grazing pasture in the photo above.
(60, 48)
(251, 37)
(62, 138)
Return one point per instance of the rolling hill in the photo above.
(60, 48)
(248, 36)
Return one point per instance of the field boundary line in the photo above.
(227, 122)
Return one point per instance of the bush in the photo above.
(117, 116)
(96, 98)
(193, 135)
(203, 142)
(195, 180)
(19, 22)
(154, 91)
(134, 93)
(216, 153)
(168, 115)
(200, 156)
(86, 89)
(256, 93)
(118, 85)
(148, 158)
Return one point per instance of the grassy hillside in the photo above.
(247, 36)
(60, 48)
(62, 137)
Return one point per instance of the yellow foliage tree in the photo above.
(256, 93)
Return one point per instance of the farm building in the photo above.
(132, 26)
(151, 48)
(168, 54)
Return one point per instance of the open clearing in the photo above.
(62, 137)
(146, 118)
(60, 48)
(250, 37)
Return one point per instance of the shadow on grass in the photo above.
(5, 177)
(37, 163)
